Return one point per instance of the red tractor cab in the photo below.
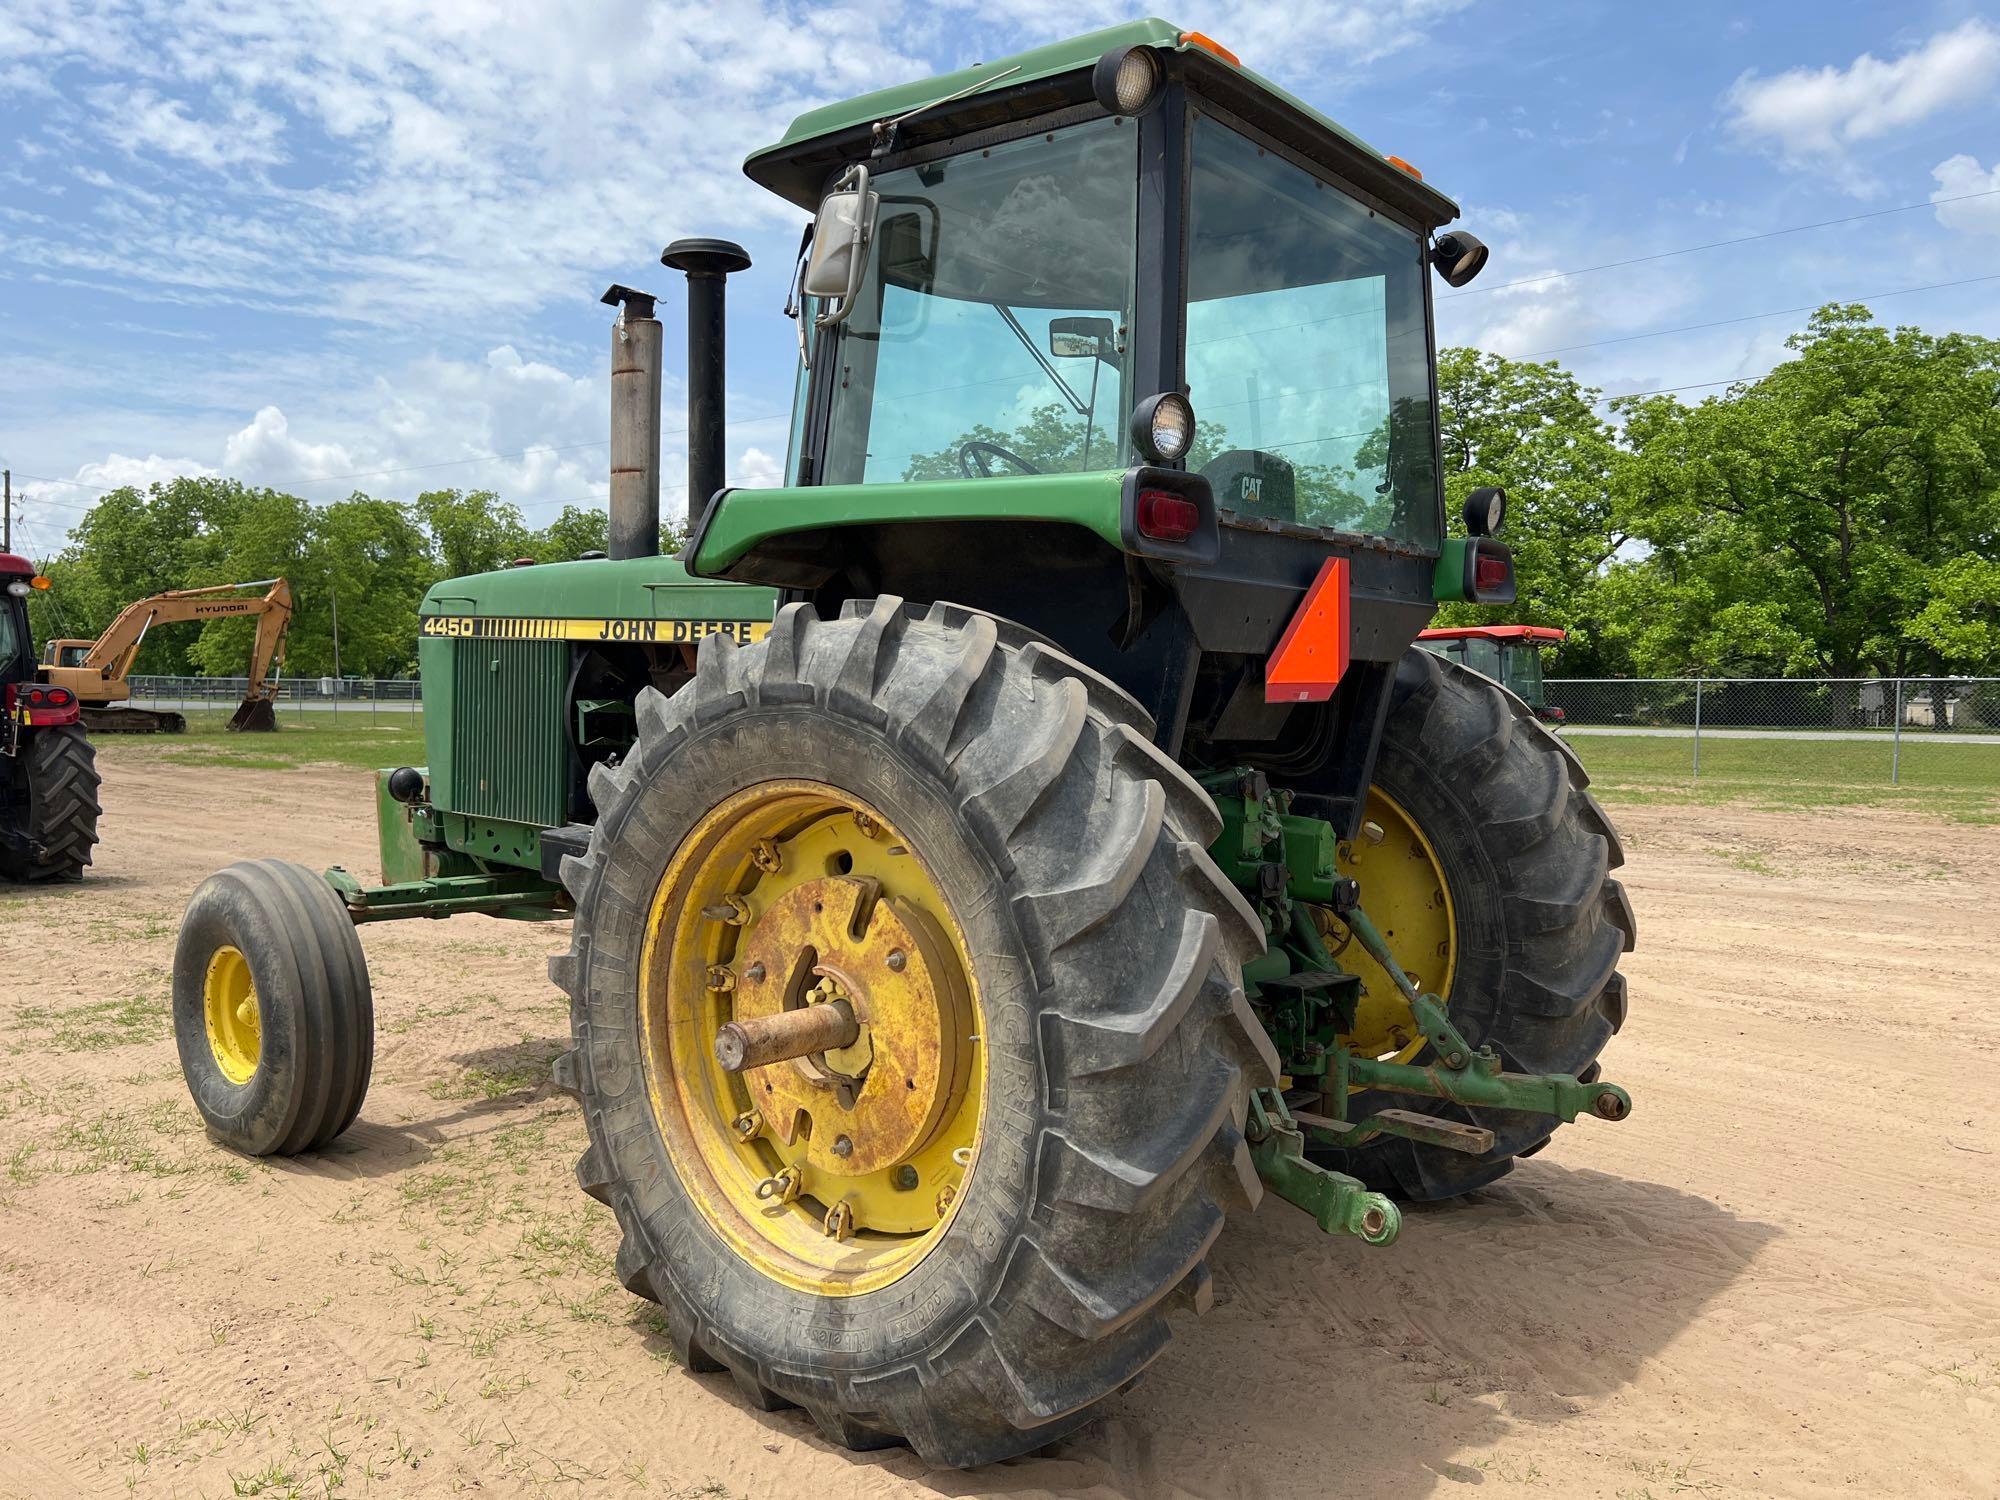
(1509, 654)
(48, 772)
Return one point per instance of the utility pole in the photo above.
(335, 593)
(7, 510)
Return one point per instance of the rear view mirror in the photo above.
(841, 236)
(1083, 338)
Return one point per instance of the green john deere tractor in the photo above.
(1027, 836)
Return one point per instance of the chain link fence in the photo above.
(1848, 731)
(384, 702)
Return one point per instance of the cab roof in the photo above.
(12, 564)
(822, 141)
(1541, 633)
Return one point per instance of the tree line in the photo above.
(1838, 517)
(369, 559)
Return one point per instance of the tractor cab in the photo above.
(1017, 261)
(1144, 343)
(17, 657)
(1509, 654)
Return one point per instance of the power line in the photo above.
(1743, 239)
(1703, 385)
(1776, 312)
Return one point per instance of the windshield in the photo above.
(1308, 351)
(991, 334)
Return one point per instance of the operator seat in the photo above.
(1252, 482)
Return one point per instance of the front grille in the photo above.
(509, 747)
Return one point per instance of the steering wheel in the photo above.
(975, 459)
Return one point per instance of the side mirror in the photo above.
(1084, 338)
(842, 235)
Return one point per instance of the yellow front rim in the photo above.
(1403, 890)
(838, 1171)
(229, 1009)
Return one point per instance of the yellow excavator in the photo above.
(98, 671)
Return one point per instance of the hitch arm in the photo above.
(1339, 1203)
(1460, 1074)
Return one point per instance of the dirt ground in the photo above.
(1777, 1278)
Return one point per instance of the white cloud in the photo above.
(265, 452)
(1811, 117)
(138, 120)
(1960, 177)
(757, 470)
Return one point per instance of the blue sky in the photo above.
(298, 243)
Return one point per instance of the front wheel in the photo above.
(273, 1015)
(946, 861)
(1488, 863)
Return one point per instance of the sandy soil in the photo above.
(1778, 1278)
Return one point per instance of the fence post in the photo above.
(1896, 743)
(1697, 729)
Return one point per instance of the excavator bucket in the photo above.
(255, 714)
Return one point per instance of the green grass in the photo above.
(356, 740)
(1956, 781)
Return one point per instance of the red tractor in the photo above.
(48, 771)
(1509, 654)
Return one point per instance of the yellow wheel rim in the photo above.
(835, 1172)
(229, 1009)
(1404, 891)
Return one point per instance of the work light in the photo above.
(1163, 427)
(1485, 510)
(1127, 80)
(1458, 256)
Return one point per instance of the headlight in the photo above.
(1163, 427)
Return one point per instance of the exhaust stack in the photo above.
(707, 264)
(635, 424)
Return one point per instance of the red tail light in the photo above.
(1492, 575)
(1165, 517)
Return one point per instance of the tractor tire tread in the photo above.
(63, 806)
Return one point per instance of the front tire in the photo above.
(273, 1015)
(1525, 854)
(1115, 1046)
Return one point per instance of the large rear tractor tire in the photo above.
(62, 806)
(1489, 863)
(961, 1222)
(273, 1013)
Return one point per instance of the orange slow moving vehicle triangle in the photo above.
(1312, 653)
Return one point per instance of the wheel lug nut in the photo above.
(755, 973)
(747, 1124)
(904, 1177)
(867, 826)
(765, 856)
(721, 978)
(842, 1146)
(944, 1198)
(897, 960)
(733, 910)
(1372, 831)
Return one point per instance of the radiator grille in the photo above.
(510, 753)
